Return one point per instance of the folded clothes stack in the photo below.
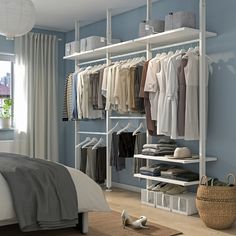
(155, 169)
(179, 174)
(163, 147)
(171, 189)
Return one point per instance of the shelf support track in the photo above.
(202, 100)
(148, 56)
(77, 136)
(108, 113)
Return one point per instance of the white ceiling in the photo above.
(61, 14)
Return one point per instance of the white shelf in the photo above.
(156, 40)
(165, 180)
(166, 159)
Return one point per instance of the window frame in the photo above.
(11, 58)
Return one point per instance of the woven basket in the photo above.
(217, 204)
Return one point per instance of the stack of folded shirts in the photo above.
(164, 147)
(179, 174)
(155, 169)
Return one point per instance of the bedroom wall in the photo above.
(222, 85)
(7, 46)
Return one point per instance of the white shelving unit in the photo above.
(148, 44)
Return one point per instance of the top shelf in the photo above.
(156, 40)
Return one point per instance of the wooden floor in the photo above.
(190, 225)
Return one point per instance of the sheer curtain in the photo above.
(35, 99)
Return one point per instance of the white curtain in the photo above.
(35, 99)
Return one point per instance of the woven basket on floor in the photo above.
(217, 204)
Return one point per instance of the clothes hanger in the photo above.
(83, 142)
(124, 129)
(112, 129)
(100, 141)
(92, 142)
(139, 128)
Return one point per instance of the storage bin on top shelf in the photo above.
(87, 44)
(175, 20)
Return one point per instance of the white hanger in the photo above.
(83, 142)
(100, 141)
(112, 129)
(124, 129)
(92, 142)
(139, 128)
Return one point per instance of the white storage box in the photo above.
(83, 43)
(148, 197)
(151, 27)
(72, 48)
(93, 42)
(184, 204)
(180, 19)
(163, 201)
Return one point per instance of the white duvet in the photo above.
(89, 194)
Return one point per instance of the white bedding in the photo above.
(89, 194)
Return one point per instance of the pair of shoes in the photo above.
(137, 224)
(158, 187)
(177, 189)
(166, 188)
(151, 187)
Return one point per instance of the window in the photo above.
(6, 77)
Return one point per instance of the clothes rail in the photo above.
(127, 117)
(128, 54)
(93, 61)
(176, 44)
(98, 133)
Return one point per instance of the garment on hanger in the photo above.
(150, 123)
(93, 163)
(126, 144)
(65, 109)
(181, 98)
(141, 139)
(192, 97)
(115, 160)
(139, 101)
(151, 85)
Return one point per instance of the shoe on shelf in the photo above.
(166, 188)
(126, 219)
(158, 187)
(177, 189)
(152, 186)
(140, 223)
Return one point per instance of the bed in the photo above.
(89, 194)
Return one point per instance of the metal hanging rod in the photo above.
(93, 61)
(176, 44)
(128, 54)
(127, 117)
(93, 133)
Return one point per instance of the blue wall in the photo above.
(222, 113)
(7, 46)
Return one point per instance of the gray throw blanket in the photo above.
(43, 193)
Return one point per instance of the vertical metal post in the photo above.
(108, 113)
(149, 10)
(109, 31)
(77, 138)
(202, 93)
(148, 56)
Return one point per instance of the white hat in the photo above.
(182, 152)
